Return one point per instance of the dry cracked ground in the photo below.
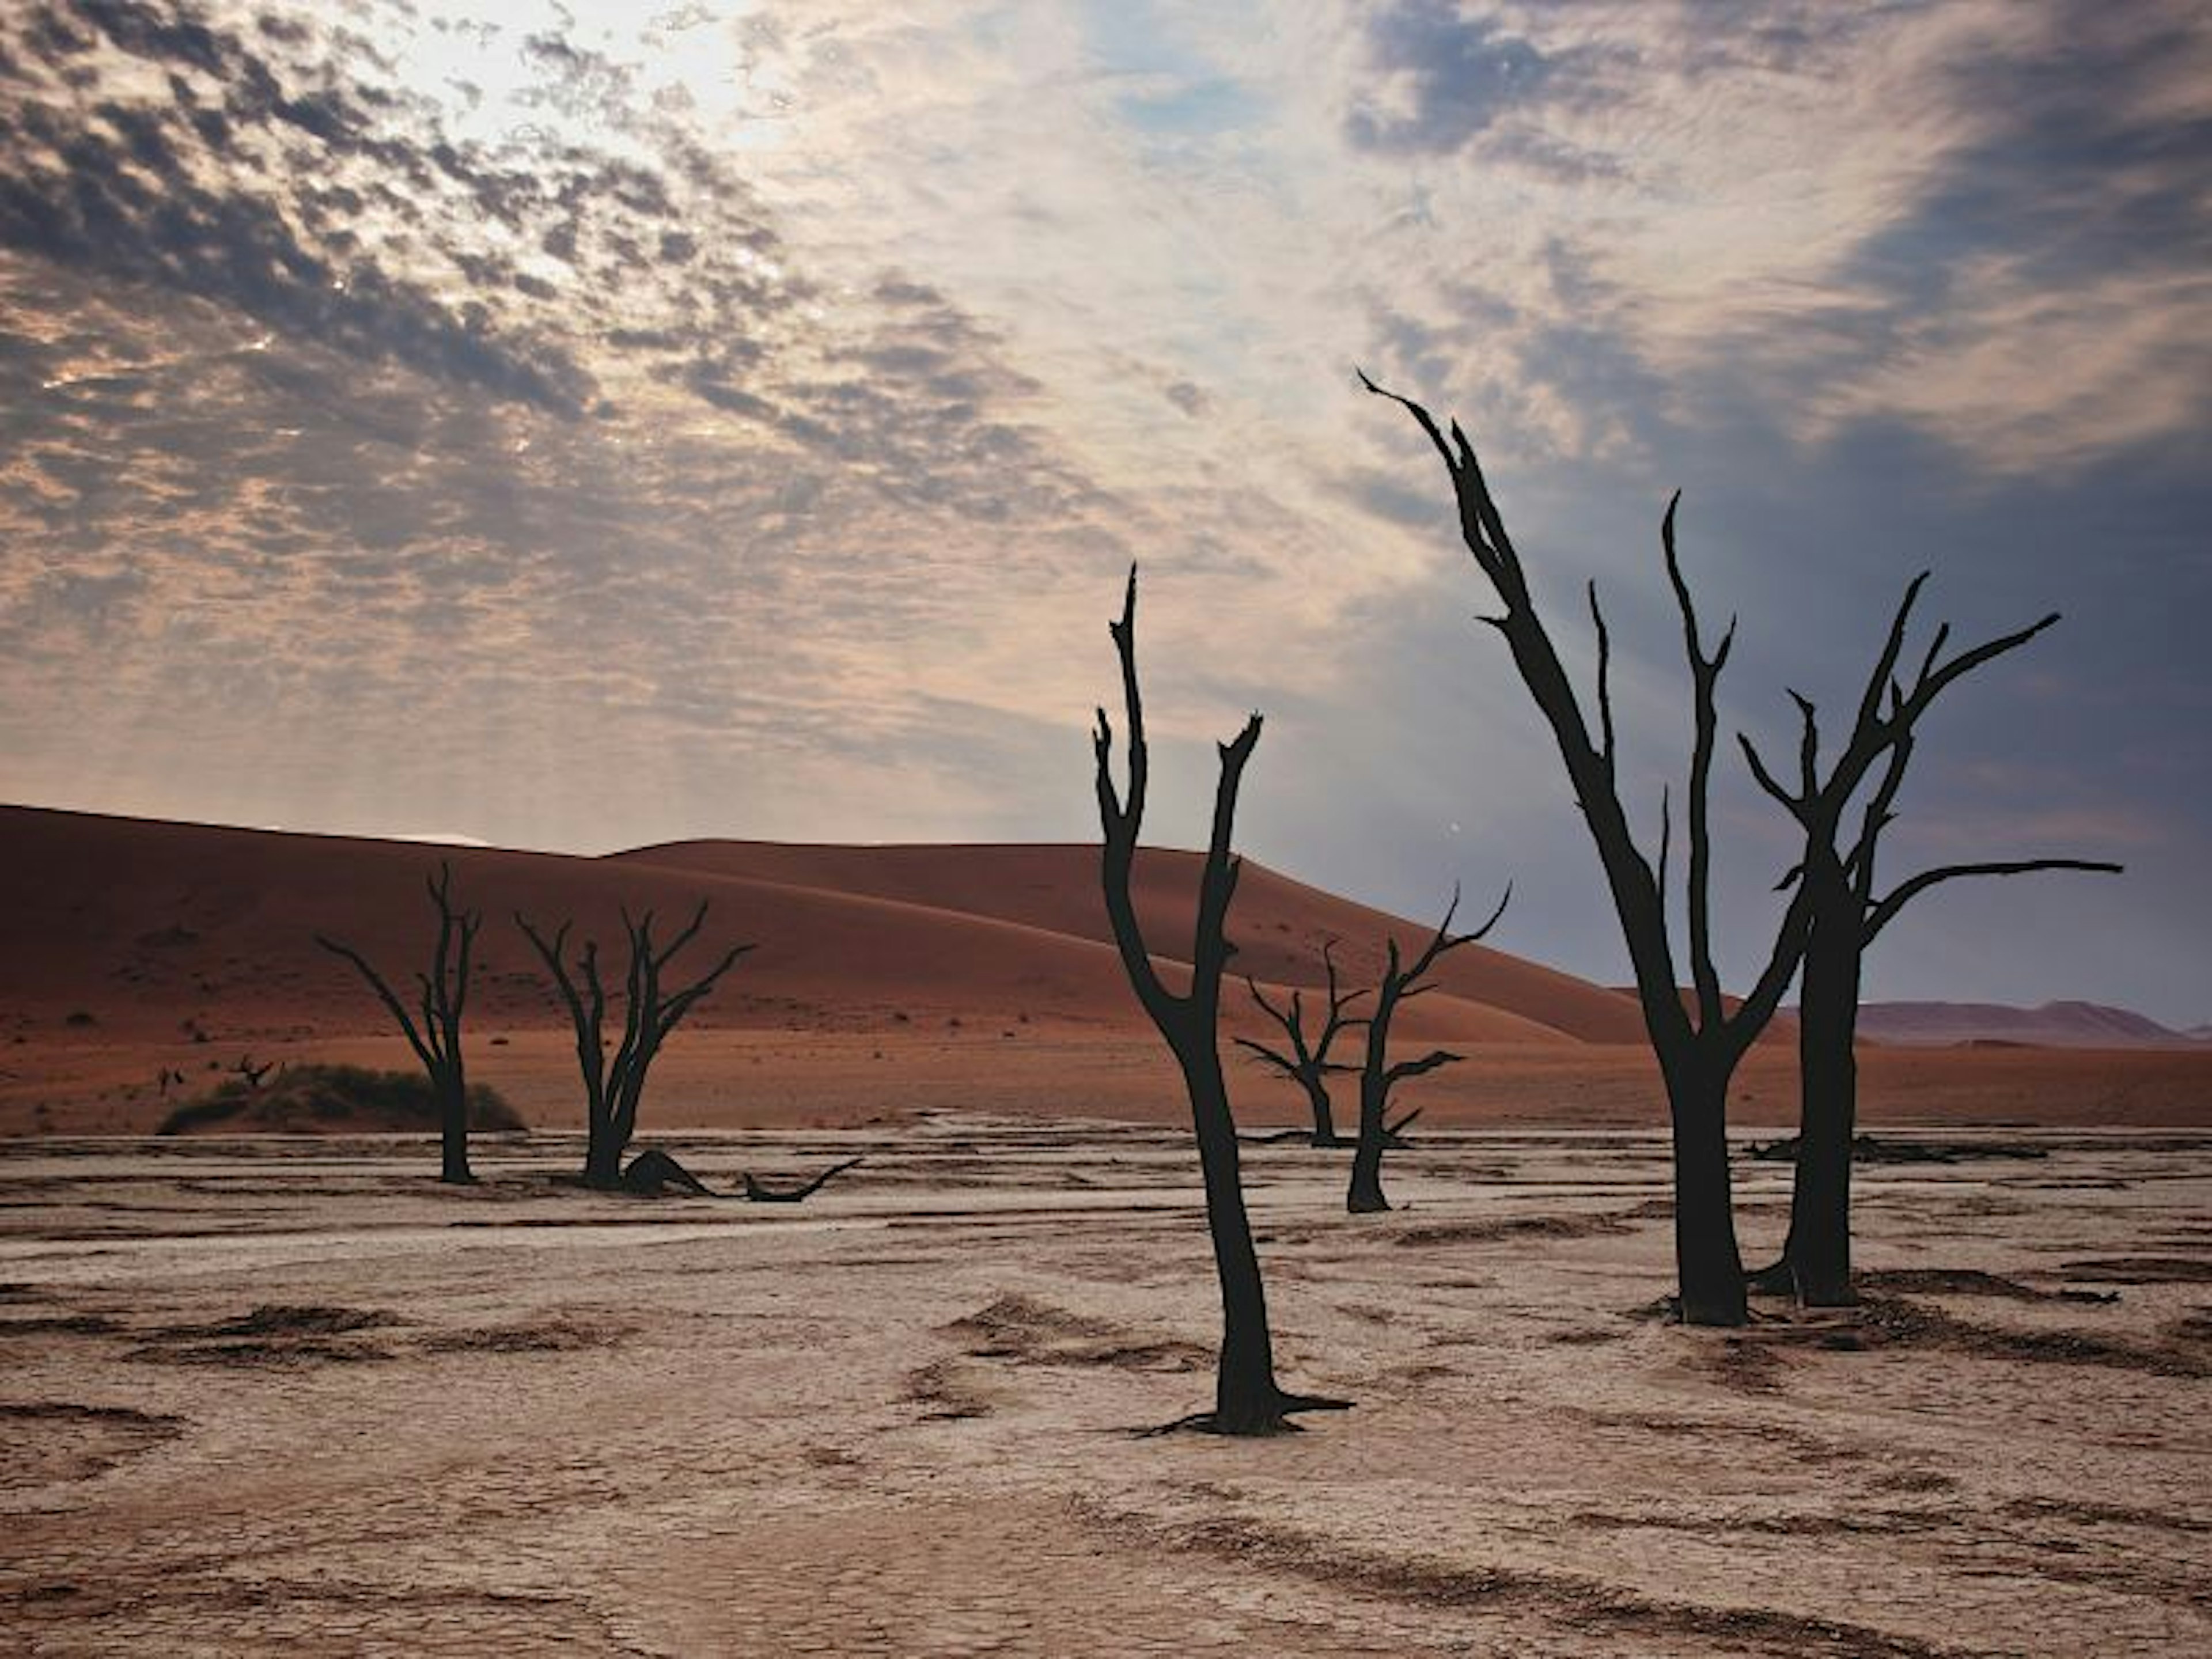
(262, 1397)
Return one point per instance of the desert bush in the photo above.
(335, 1097)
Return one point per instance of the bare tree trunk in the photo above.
(1818, 1250)
(1363, 1193)
(1307, 1060)
(436, 1039)
(1837, 887)
(1697, 1049)
(602, 1154)
(614, 1086)
(1708, 1266)
(1324, 1114)
(1399, 985)
(1247, 1400)
(453, 1126)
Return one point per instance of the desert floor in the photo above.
(54, 1081)
(291, 1396)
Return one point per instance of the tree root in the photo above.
(1274, 1420)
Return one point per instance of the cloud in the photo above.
(589, 429)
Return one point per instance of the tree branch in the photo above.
(1885, 909)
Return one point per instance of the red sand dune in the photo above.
(887, 978)
(142, 925)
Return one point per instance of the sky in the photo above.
(573, 426)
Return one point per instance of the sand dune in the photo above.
(1279, 924)
(145, 932)
(887, 980)
(139, 923)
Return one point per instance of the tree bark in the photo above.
(1709, 1267)
(1818, 1248)
(1246, 1399)
(1364, 1194)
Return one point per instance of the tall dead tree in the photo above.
(614, 1084)
(1401, 983)
(1307, 1063)
(1246, 1399)
(436, 1039)
(1848, 911)
(1698, 1039)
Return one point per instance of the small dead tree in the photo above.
(436, 1039)
(1246, 1398)
(1848, 911)
(1698, 1040)
(1401, 983)
(1308, 1064)
(614, 1084)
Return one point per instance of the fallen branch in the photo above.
(759, 1193)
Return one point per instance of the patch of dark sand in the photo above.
(272, 1333)
(1560, 1600)
(947, 1390)
(1586, 1336)
(1746, 1364)
(1890, 1523)
(1799, 1445)
(559, 1334)
(2142, 1270)
(1947, 1281)
(1518, 1226)
(1971, 1281)
(1869, 1148)
(2104, 1514)
(291, 1615)
(1893, 1321)
(279, 1319)
(60, 1325)
(1026, 1331)
(43, 1442)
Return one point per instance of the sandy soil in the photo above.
(291, 1397)
(62, 1082)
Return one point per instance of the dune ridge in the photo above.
(149, 958)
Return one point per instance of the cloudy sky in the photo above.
(575, 426)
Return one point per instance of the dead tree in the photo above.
(614, 1084)
(1400, 984)
(1847, 913)
(1246, 1398)
(246, 1069)
(1308, 1064)
(1698, 1039)
(436, 1039)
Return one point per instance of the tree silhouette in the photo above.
(436, 1039)
(1246, 1398)
(1698, 1039)
(614, 1084)
(1848, 911)
(1308, 1064)
(1400, 984)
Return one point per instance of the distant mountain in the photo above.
(2054, 1025)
